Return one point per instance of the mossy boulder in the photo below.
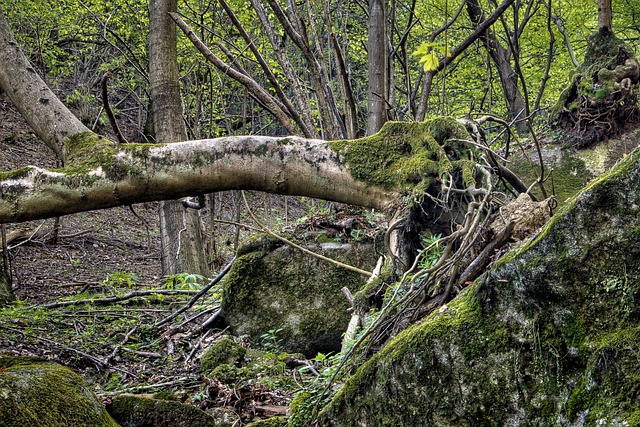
(549, 336)
(138, 411)
(573, 169)
(223, 351)
(274, 287)
(260, 367)
(39, 393)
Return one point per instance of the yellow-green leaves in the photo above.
(429, 53)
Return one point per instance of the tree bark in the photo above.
(377, 51)
(136, 173)
(605, 15)
(45, 113)
(181, 237)
(516, 105)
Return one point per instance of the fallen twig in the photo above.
(300, 248)
(114, 299)
(203, 291)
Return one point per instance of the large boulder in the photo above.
(274, 287)
(550, 336)
(572, 169)
(39, 393)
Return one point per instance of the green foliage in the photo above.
(270, 340)
(432, 252)
(120, 278)
(185, 281)
(429, 54)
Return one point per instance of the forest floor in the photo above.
(65, 276)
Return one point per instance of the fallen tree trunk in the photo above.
(103, 175)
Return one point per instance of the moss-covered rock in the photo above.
(40, 393)
(573, 169)
(224, 351)
(278, 288)
(548, 337)
(137, 411)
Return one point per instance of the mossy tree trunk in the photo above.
(601, 100)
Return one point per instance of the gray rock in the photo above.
(273, 286)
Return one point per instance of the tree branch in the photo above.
(268, 100)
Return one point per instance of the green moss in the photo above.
(142, 411)
(224, 351)
(403, 155)
(87, 150)
(301, 409)
(16, 174)
(39, 393)
(278, 421)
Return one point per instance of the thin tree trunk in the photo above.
(508, 77)
(181, 238)
(377, 51)
(605, 15)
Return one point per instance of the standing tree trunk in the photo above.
(605, 15)
(181, 237)
(516, 105)
(377, 51)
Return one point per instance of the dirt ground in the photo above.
(89, 245)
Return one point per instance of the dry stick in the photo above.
(192, 318)
(107, 107)
(197, 346)
(5, 254)
(300, 248)
(197, 296)
(541, 179)
(123, 342)
(207, 323)
(482, 260)
(114, 299)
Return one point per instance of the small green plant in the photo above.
(429, 53)
(184, 281)
(432, 252)
(357, 234)
(120, 278)
(270, 341)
